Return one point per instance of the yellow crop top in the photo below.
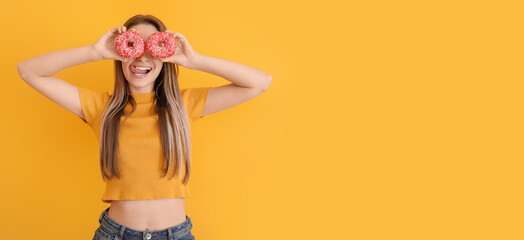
(141, 156)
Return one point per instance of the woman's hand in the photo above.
(105, 45)
(184, 55)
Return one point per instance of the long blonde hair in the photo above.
(175, 131)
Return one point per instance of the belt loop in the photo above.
(101, 215)
(169, 234)
(120, 234)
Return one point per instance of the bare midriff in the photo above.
(148, 215)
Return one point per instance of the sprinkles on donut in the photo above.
(129, 44)
(154, 42)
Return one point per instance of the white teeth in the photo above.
(142, 68)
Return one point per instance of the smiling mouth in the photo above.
(140, 71)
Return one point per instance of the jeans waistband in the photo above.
(120, 230)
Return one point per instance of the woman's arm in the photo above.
(239, 74)
(50, 63)
(246, 82)
(38, 71)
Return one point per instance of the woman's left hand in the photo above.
(184, 55)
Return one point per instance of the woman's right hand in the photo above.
(105, 45)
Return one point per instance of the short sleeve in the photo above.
(93, 104)
(195, 101)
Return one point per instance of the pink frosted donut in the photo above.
(129, 44)
(153, 45)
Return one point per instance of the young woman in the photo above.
(143, 127)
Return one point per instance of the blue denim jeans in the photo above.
(109, 229)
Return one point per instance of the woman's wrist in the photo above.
(95, 54)
(194, 61)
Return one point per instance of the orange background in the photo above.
(385, 120)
